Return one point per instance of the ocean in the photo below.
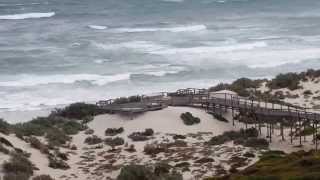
(55, 52)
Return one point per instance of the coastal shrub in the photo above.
(4, 150)
(16, 176)
(189, 119)
(241, 86)
(117, 141)
(219, 117)
(256, 143)
(89, 131)
(140, 172)
(141, 136)
(178, 136)
(37, 144)
(5, 142)
(204, 160)
(250, 132)
(152, 149)
(28, 129)
(72, 127)
(289, 80)
(124, 100)
(148, 132)
(56, 163)
(114, 131)
(136, 172)
(92, 140)
(136, 136)
(5, 127)
(161, 168)
(219, 87)
(18, 164)
(56, 137)
(307, 92)
(79, 111)
(42, 177)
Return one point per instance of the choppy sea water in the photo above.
(55, 52)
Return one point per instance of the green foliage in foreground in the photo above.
(275, 165)
(18, 167)
(160, 171)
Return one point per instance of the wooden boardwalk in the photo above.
(260, 113)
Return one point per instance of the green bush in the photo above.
(189, 119)
(42, 177)
(114, 131)
(114, 141)
(37, 144)
(92, 140)
(56, 163)
(5, 142)
(72, 127)
(56, 137)
(5, 127)
(4, 150)
(139, 172)
(289, 80)
(16, 176)
(18, 164)
(79, 111)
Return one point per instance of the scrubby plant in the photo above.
(152, 149)
(16, 176)
(78, 111)
(42, 177)
(5, 127)
(117, 141)
(141, 136)
(57, 137)
(114, 131)
(189, 119)
(37, 144)
(18, 165)
(56, 163)
(220, 117)
(92, 140)
(140, 172)
(4, 150)
(148, 132)
(5, 142)
(289, 80)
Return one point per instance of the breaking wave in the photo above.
(26, 16)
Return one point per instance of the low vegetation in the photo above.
(80, 111)
(18, 167)
(92, 140)
(189, 119)
(248, 137)
(117, 141)
(160, 171)
(114, 131)
(275, 165)
(42, 177)
(141, 136)
(124, 100)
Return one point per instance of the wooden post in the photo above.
(300, 138)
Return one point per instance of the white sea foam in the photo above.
(176, 29)
(98, 27)
(26, 16)
(33, 80)
(176, 1)
(212, 49)
(139, 46)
